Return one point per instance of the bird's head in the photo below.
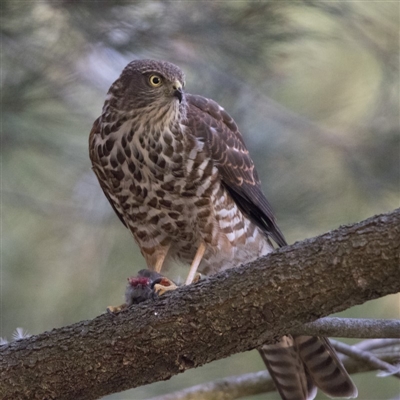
(149, 86)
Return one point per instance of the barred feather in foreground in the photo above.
(177, 173)
(300, 364)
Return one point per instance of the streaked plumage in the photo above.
(175, 169)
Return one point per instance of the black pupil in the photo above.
(156, 80)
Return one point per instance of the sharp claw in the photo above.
(117, 309)
(197, 277)
(160, 288)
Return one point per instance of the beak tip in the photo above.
(178, 94)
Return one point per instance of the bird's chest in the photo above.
(160, 178)
(168, 163)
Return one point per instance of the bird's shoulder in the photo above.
(200, 107)
(210, 122)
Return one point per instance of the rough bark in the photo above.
(231, 312)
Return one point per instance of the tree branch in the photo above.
(251, 305)
(350, 328)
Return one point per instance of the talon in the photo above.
(164, 285)
(197, 277)
(146, 285)
(116, 310)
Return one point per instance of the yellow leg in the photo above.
(155, 257)
(195, 263)
(160, 262)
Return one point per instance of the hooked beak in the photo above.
(178, 92)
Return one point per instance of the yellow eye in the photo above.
(155, 80)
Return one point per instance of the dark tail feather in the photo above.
(287, 370)
(324, 366)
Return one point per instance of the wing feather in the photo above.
(210, 122)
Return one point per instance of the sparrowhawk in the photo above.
(177, 173)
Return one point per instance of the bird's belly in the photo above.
(234, 240)
(160, 209)
(161, 205)
(237, 243)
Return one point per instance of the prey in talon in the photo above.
(145, 285)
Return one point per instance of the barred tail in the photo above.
(300, 364)
(287, 370)
(324, 366)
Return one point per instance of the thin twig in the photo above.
(351, 328)
(366, 356)
(373, 344)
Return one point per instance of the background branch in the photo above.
(251, 305)
(350, 328)
(366, 357)
(236, 387)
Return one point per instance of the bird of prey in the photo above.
(177, 173)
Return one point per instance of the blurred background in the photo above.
(314, 87)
